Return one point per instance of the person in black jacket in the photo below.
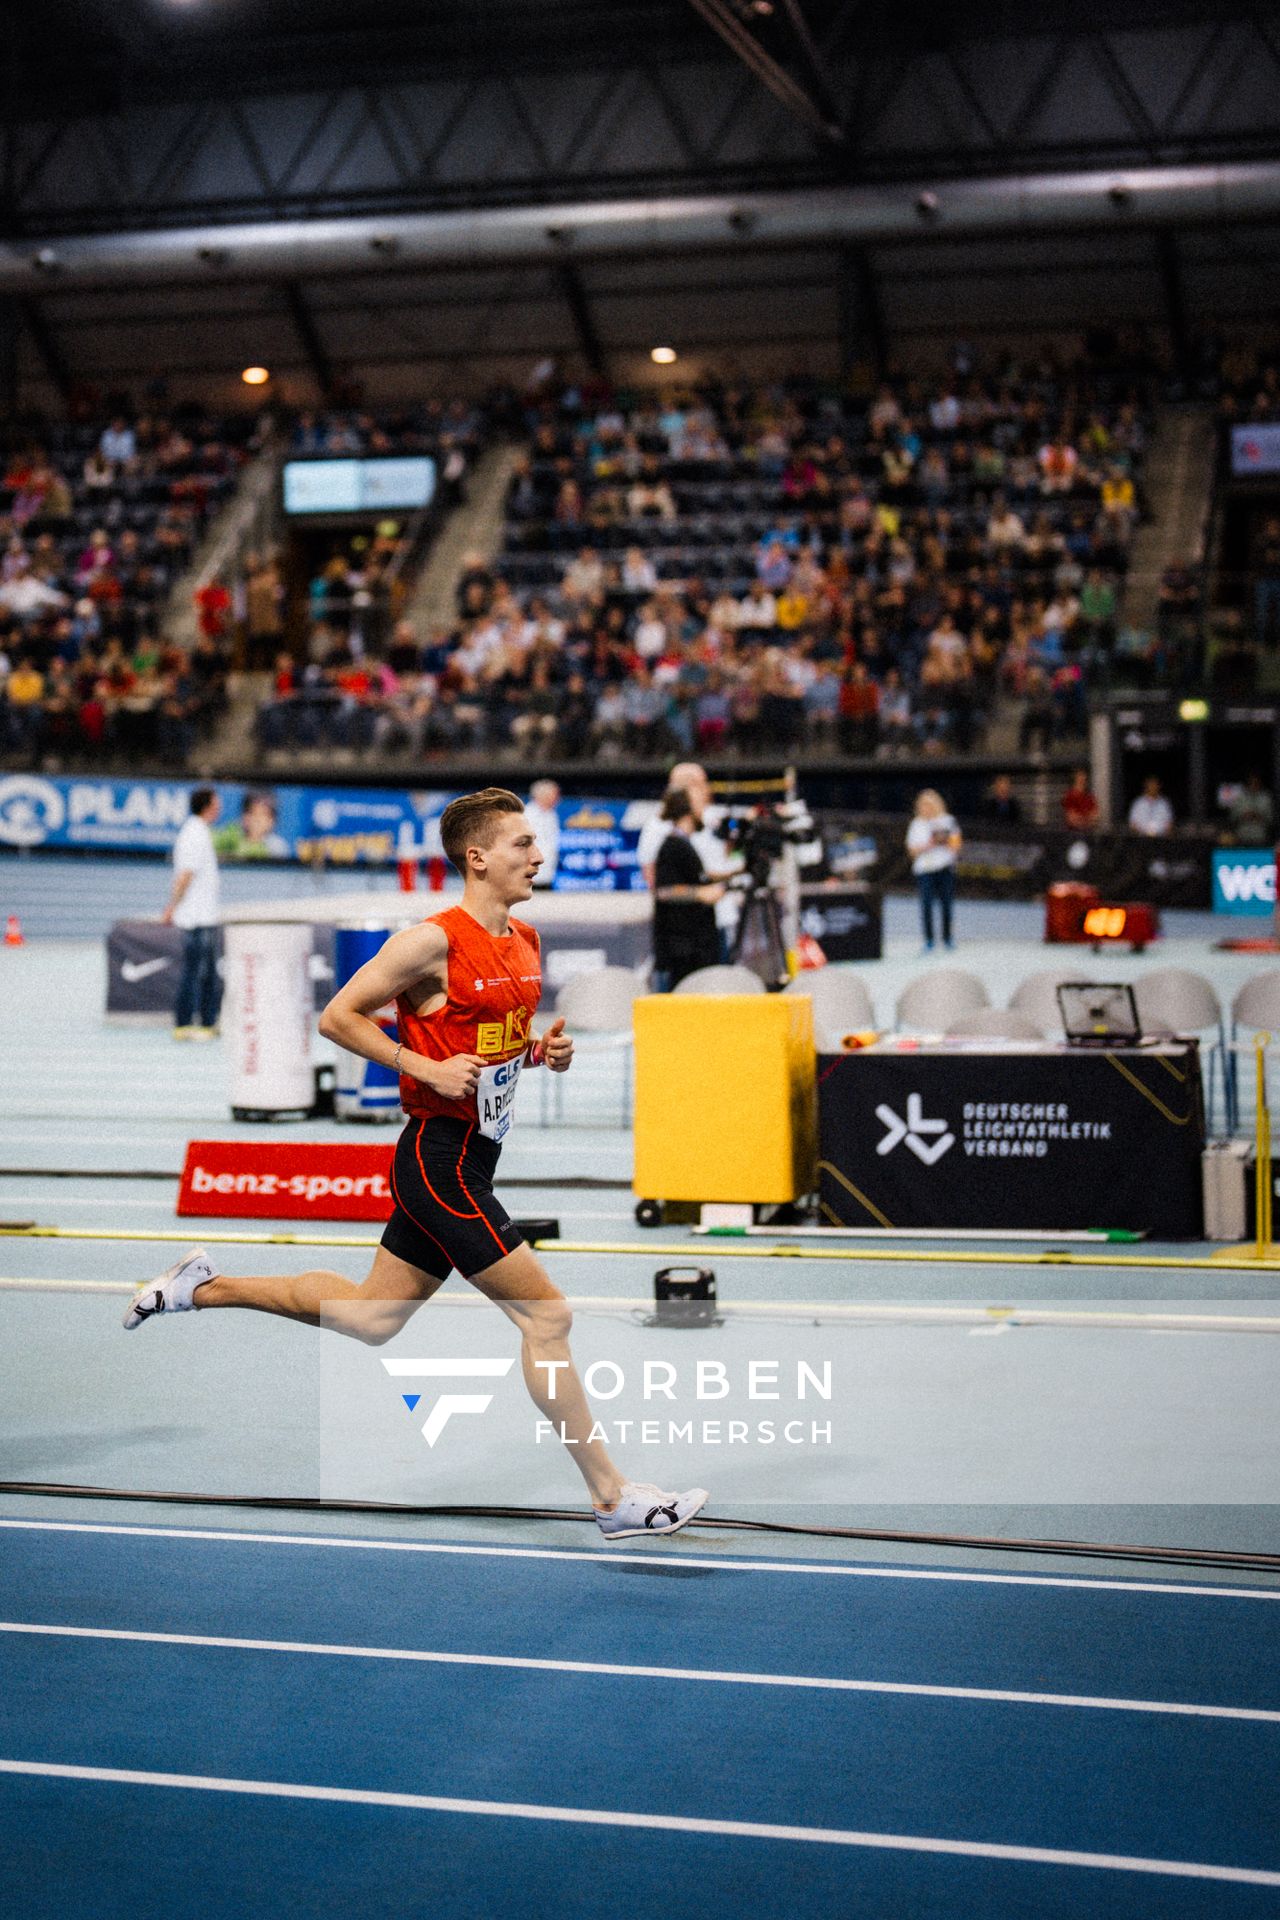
(685, 935)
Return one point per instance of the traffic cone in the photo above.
(13, 932)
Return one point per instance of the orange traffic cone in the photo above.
(13, 932)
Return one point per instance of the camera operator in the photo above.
(685, 935)
(716, 857)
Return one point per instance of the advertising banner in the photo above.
(598, 840)
(1255, 449)
(295, 1180)
(344, 826)
(339, 826)
(1244, 881)
(1048, 1139)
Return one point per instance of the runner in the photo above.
(466, 985)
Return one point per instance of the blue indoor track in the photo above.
(214, 1713)
(197, 1721)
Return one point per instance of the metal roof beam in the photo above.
(819, 118)
(309, 340)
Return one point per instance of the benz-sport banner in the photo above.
(341, 826)
(296, 1180)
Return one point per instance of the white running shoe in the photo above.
(645, 1509)
(173, 1291)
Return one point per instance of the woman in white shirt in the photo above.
(934, 842)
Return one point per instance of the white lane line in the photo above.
(972, 1319)
(651, 1556)
(819, 1683)
(659, 1822)
(70, 1200)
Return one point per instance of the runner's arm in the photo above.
(417, 958)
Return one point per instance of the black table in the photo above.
(1044, 1139)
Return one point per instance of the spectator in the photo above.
(859, 710)
(264, 609)
(897, 721)
(118, 443)
(1079, 803)
(1151, 813)
(934, 843)
(213, 608)
(543, 816)
(1252, 814)
(1002, 802)
(24, 694)
(1266, 591)
(1039, 715)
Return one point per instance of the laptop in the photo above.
(1099, 1016)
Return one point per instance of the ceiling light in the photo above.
(255, 376)
(662, 356)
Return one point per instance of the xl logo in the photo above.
(915, 1131)
(447, 1404)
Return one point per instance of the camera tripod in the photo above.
(760, 914)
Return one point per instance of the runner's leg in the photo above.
(374, 1311)
(520, 1285)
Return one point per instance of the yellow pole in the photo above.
(1262, 1150)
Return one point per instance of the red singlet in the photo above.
(494, 984)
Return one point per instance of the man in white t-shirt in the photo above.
(1151, 813)
(193, 906)
(540, 812)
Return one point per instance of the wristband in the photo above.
(536, 1055)
(395, 1064)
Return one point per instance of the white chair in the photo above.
(1037, 996)
(933, 1000)
(1256, 1007)
(721, 980)
(841, 1004)
(999, 1023)
(597, 1007)
(1175, 1000)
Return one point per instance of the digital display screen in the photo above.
(1255, 450)
(401, 484)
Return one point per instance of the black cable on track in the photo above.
(1203, 1557)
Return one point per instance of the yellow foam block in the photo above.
(725, 1097)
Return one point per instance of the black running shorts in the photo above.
(445, 1214)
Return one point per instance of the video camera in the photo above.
(762, 834)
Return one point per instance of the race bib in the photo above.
(495, 1092)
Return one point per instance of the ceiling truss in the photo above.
(815, 106)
